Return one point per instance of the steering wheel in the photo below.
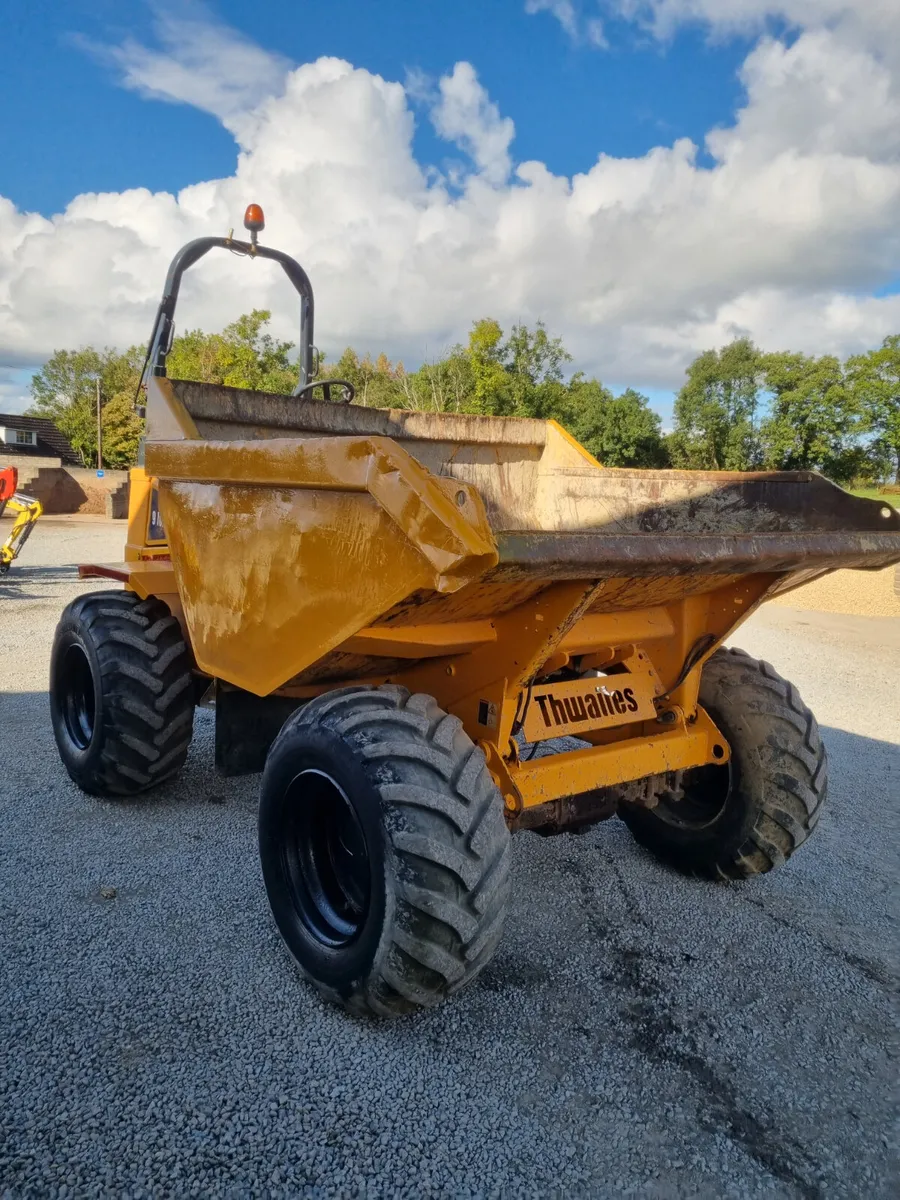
(349, 391)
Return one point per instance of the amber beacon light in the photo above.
(254, 221)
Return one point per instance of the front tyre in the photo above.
(384, 849)
(121, 693)
(749, 815)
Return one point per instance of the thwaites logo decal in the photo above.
(580, 705)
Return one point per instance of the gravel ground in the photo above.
(637, 1033)
(859, 593)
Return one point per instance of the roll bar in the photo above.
(164, 324)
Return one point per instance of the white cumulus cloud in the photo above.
(465, 115)
(872, 23)
(198, 62)
(579, 26)
(639, 263)
(563, 10)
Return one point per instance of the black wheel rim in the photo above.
(78, 704)
(705, 793)
(325, 858)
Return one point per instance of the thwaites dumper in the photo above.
(433, 630)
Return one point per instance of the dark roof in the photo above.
(48, 435)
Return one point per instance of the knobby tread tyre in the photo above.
(444, 858)
(143, 692)
(778, 774)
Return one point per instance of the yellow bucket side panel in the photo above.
(273, 579)
(447, 523)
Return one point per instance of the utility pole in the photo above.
(99, 431)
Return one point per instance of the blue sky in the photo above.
(705, 169)
(82, 132)
(79, 131)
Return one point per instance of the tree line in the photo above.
(742, 410)
(739, 409)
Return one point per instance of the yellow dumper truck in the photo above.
(432, 630)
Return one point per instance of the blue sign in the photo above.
(99, 474)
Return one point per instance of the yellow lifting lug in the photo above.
(499, 772)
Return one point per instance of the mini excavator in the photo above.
(27, 510)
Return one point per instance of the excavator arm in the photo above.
(27, 510)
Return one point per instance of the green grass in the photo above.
(875, 493)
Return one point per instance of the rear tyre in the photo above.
(384, 849)
(751, 814)
(121, 693)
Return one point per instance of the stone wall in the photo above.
(74, 489)
(26, 464)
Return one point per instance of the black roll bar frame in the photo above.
(164, 324)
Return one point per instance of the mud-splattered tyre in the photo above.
(384, 849)
(748, 816)
(121, 693)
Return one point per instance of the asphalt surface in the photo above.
(637, 1034)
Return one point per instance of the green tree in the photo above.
(65, 391)
(66, 378)
(620, 431)
(490, 382)
(716, 410)
(375, 382)
(874, 379)
(122, 429)
(378, 388)
(243, 355)
(814, 421)
(442, 385)
(842, 422)
(533, 362)
(347, 367)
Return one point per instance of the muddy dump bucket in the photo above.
(305, 536)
